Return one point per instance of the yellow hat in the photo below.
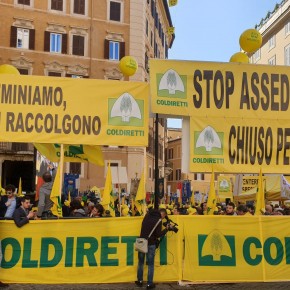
(125, 211)
(162, 206)
(67, 203)
(168, 211)
(124, 206)
(170, 206)
(191, 210)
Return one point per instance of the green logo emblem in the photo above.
(126, 111)
(208, 142)
(216, 249)
(224, 186)
(171, 85)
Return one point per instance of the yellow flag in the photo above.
(72, 153)
(19, 191)
(140, 196)
(108, 199)
(171, 30)
(260, 196)
(172, 2)
(211, 200)
(2, 190)
(55, 195)
(68, 197)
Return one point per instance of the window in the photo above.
(79, 7)
(287, 28)
(115, 11)
(199, 176)
(257, 55)
(23, 71)
(19, 147)
(150, 173)
(151, 39)
(170, 176)
(178, 174)
(170, 153)
(147, 27)
(114, 50)
(55, 42)
(54, 74)
(22, 37)
(272, 42)
(75, 168)
(287, 55)
(272, 60)
(78, 47)
(56, 5)
(24, 2)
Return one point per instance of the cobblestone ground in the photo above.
(161, 286)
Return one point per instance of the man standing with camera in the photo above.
(151, 219)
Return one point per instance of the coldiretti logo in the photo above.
(126, 111)
(171, 85)
(216, 249)
(208, 142)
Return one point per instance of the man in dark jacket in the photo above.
(22, 215)
(149, 221)
(45, 203)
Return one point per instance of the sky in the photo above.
(209, 30)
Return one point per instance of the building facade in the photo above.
(275, 31)
(84, 39)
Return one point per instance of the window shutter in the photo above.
(46, 41)
(13, 36)
(106, 49)
(64, 44)
(122, 50)
(32, 39)
(81, 45)
(78, 45)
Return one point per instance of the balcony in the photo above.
(13, 148)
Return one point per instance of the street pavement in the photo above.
(161, 286)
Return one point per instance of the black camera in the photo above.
(172, 225)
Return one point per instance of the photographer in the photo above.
(168, 223)
(150, 220)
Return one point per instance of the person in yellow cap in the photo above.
(192, 211)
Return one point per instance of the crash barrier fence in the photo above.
(101, 250)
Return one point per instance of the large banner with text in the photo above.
(233, 90)
(239, 145)
(231, 249)
(73, 111)
(90, 250)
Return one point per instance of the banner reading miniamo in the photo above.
(63, 110)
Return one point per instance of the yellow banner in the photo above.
(239, 145)
(235, 249)
(199, 89)
(78, 248)
(72, 153)
(225, 188)
(67, 111)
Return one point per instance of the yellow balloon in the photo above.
(250, 40)
(128, 65)
(9, 69)
(239, 57)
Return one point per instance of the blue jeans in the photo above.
(150, 260)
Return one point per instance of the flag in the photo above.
(108, 199)
(140, 196)
(68, 197)
(211, 200)
(171, 30)
(260, 196)
(2, 190)
(172, 2)
(56, 194)
(72, 153)
(19, 191)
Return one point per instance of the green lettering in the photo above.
(287, 247)
(26, 261)
(88, 252)
(106, 251)
(130, 249)
(69, 252)
(279, 251)
(247, 253)
(44, 252)
(163, 251)
(16, 252)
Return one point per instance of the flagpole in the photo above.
(61, 159)
(145, 176)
